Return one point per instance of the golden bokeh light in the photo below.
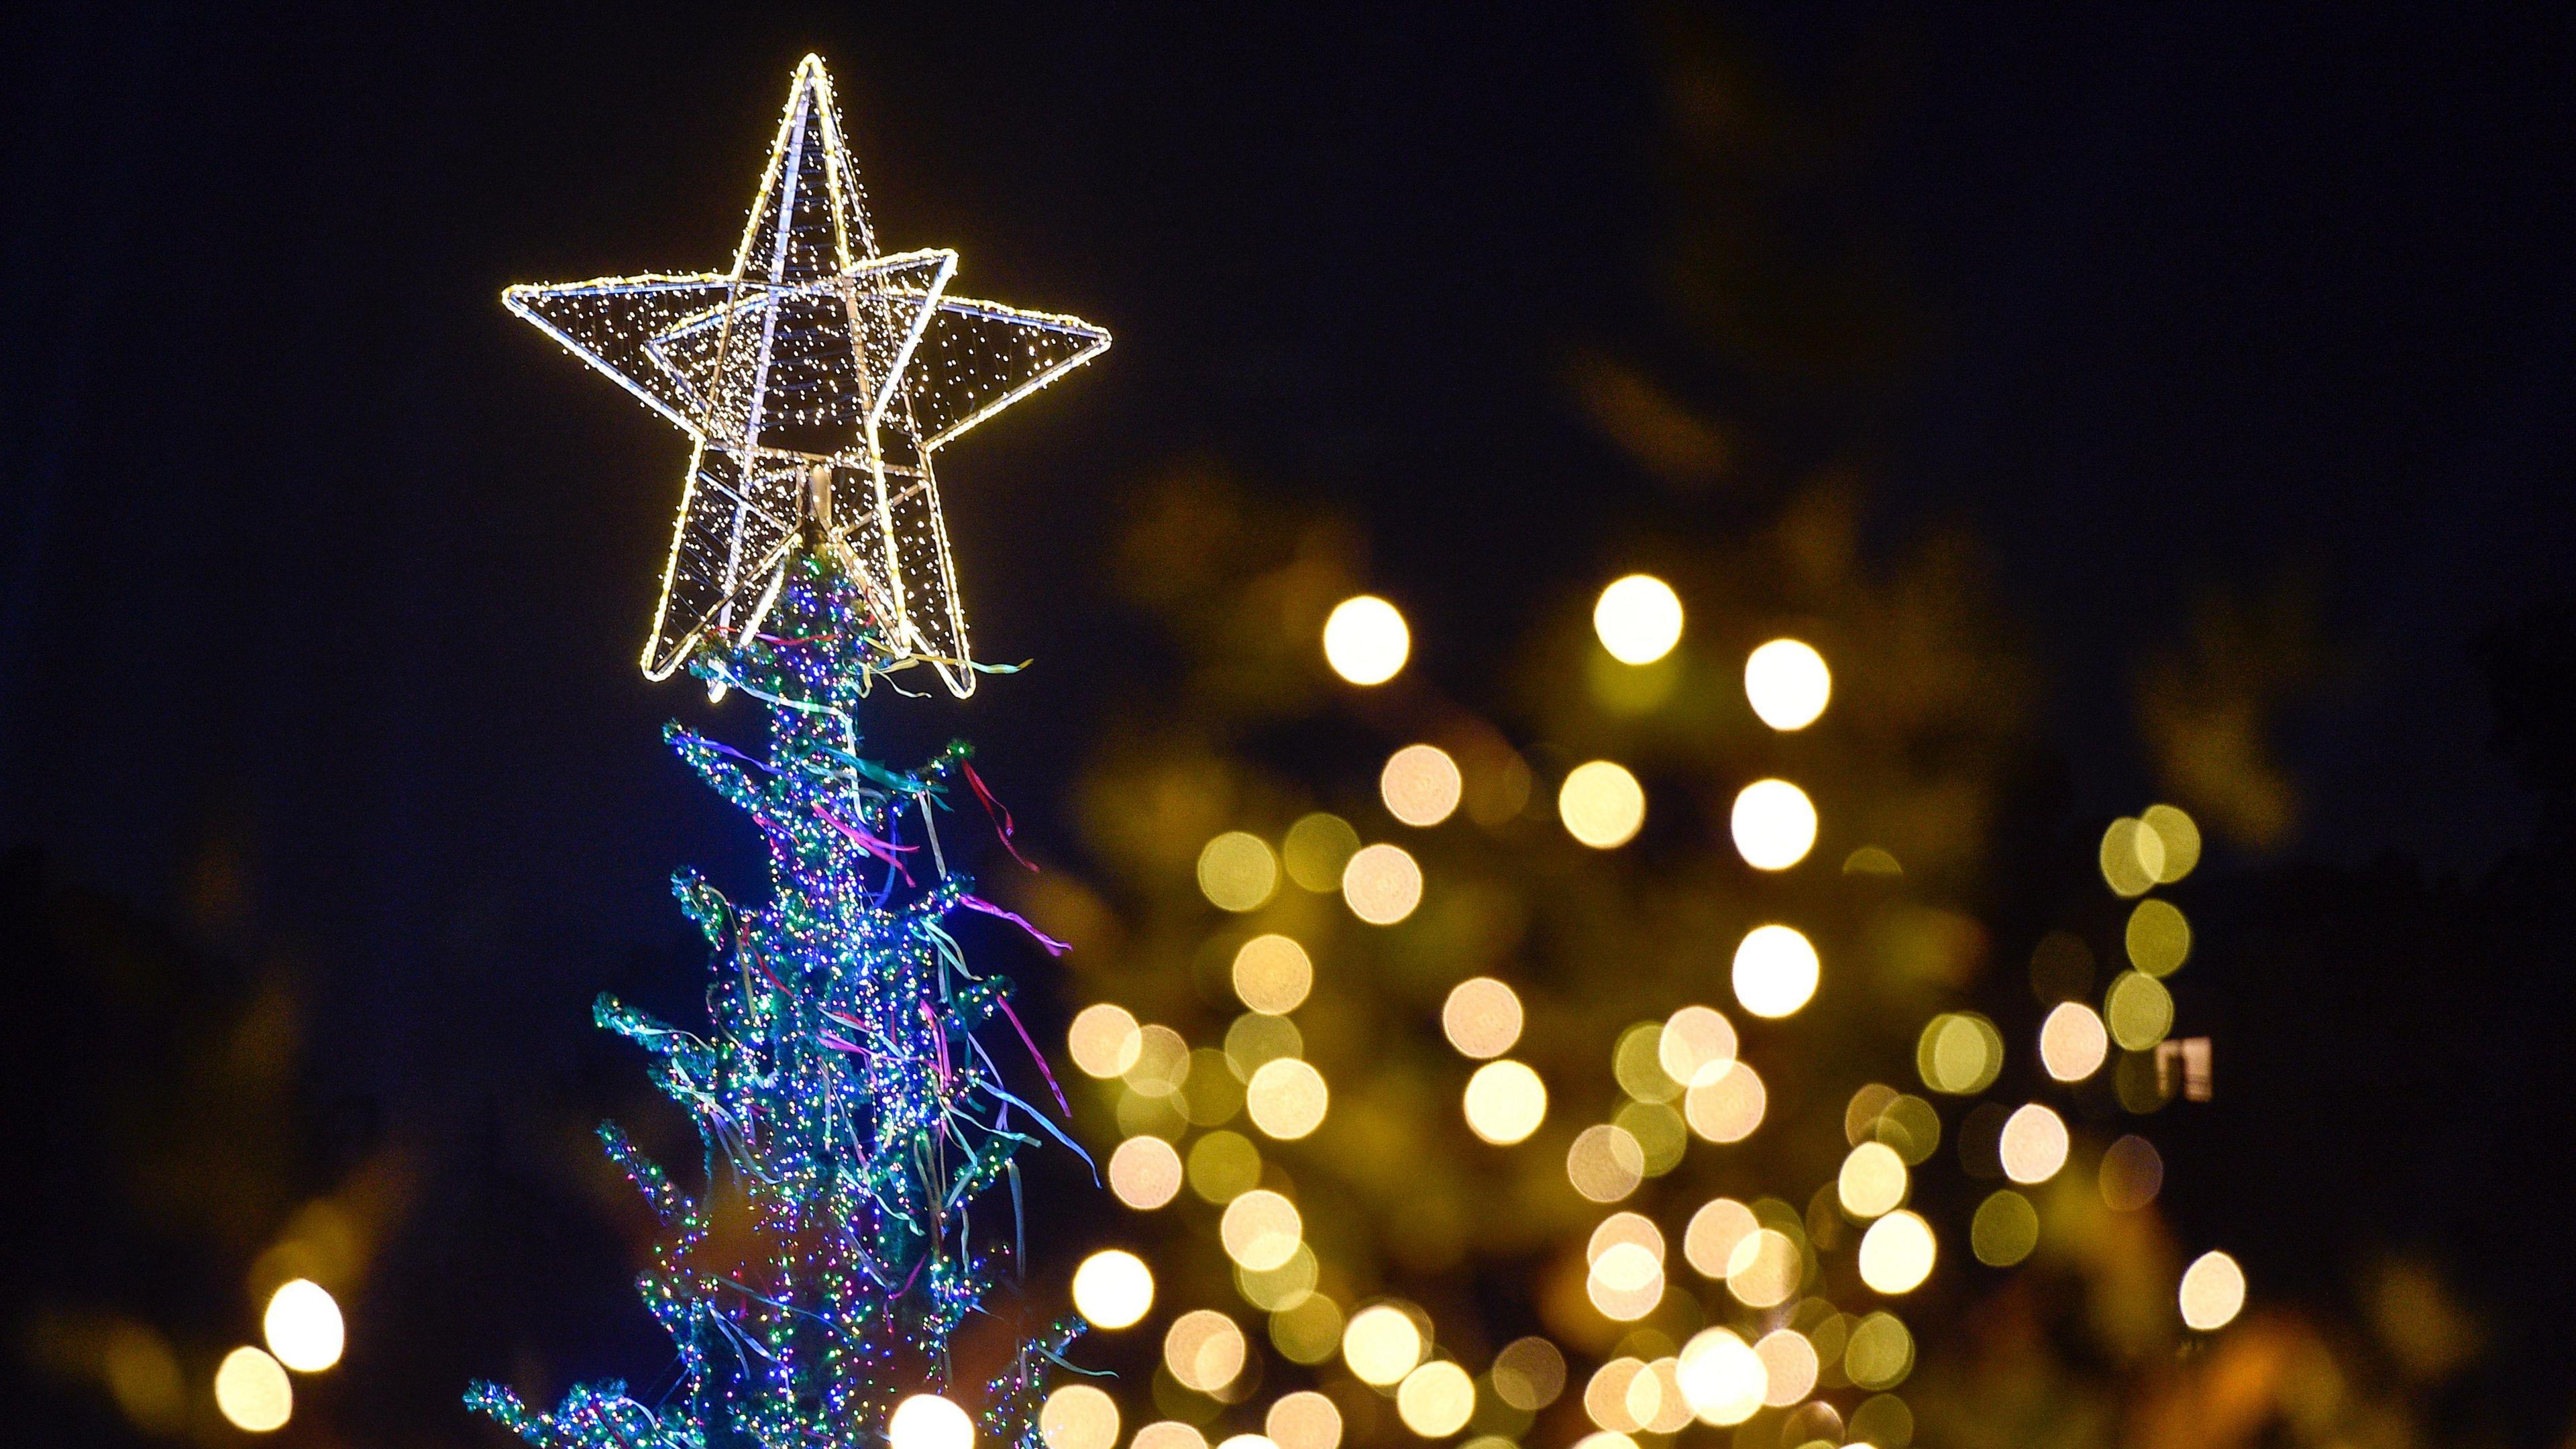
(1078, 1416)
(1287, 1099)
(1897, 1252)
(2179, 837)
(1764, 1268)
(1638, 619)
(1145, 1173)
(2072, 1042)
(1726, 1106)
(1872, 1181)
(1775, 971)
(1365, 640)
(1104, 1040)
(1774, 824)
(1960, 1053)
(1307, 1331)
(1660, 1132)
(1787, 683)
(1223, 1166)
(1626, 1280)
(1636, 1064)
(1481, 1017)
(1708, 1241)
(1113, 1289)
(1246, 1441)
(1237, 872)
(2034, 1144)
(1315, 850)
(1382, 1344)
(1696, 1040)
(927, 1421)
(1722, 1379)
(1275, 1290)
(1880, 1354)
(1529, 1374)
(303, 1326)
(252, 1392)
(1606, 1398)
(1436, 1399)
(2139, 1010)
(1162, 1062)
(1601, 804)
(1505, 1102)
(1605, 1163)
(1421, 785)
(1204, 1350)
(2132, 1173)
(2212, 1293)
(2158, 938)
(1789, 1366)
(1381, 884)
(1254, 1038)
(1168, 1434)
(2004, 1230)
(1272, 974)
(1303, 1420)
(1634, 1229)
(1261, 1230)
(2132, 857)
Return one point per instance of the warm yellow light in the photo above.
(1605, 1163)
(2004, 1230)
(1316, 848)
(1880, 1353)
(2178, 836)
(1774, 824)
(1788, 1366)
(1435, 1399)
(1237, 872)
(1626, 1280)
(1608, 1400)
(1162, 1062)
(1872, 1181)
(1420, 785)
(2139, 1010)
(1722, 1378)
(1204, 1350)
(1896, 1253)
(1246, 1441)
(1078, 1416)
(1287, 1098)
(1639, 619)
(1308, 1330)
(1261, 1230)
(1104, 1039)
(1765, 1268)
(1708, 1242)
(1528, 1374)
(1959, 1052)
(1274, 1290)
(1145, 1172)
(1788, 684)
(1168, 1434)
(2158, 938)
(1272, 974)
(2132, 857)
(1223, 1166)
(1381, 1344)
(1381, 884)
(1726, 1106)
(1304, 1420)
(1113, 1289)
(1505, 1102)
(1695, 1040)
(1775, 971)
(2034, 1144)
(2072, 1042)
(2213, 1292)
(1601, 804)
(252, 1392)
(927, 1421)
(1481, 1017)
(303, 1326)
(1365, 640)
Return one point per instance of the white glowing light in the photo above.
(1113, 1288)
(812, 331)
(1365, 640)
(1639, 619)
(1775, 971)
(1787, 684)
(927, 1421)
(252, 1391)
(2212, 1293)
(1774, 824)
(1896, 1253)
(303, 1326)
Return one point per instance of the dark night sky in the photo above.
(305, 538)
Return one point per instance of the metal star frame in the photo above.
(816, 380)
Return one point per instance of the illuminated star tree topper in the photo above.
(815, 380)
